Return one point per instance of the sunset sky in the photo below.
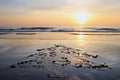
(59, 12)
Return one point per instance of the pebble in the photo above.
(13, 66)
(95, 56)
(48, 56)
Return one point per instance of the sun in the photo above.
(82, 18)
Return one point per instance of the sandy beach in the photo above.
(59, 39)
(59, 56)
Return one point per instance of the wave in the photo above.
(61, 29)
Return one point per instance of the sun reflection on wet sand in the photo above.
(81, 38)
(37, 55)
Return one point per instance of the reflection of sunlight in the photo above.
(81, 38)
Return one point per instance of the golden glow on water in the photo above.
(81, 38)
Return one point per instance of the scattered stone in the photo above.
(94, 56)
(60, 56)
(53, 61)
(40, 49)
(64, 58)
(78, 65)
(18, 63)
(22, 63)
(13, 66)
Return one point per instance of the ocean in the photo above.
(60, 53)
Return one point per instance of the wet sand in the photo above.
(67, 57)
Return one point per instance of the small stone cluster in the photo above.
(59, 56)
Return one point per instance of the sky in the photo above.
(59, 12)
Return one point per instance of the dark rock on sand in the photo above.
(13, 66)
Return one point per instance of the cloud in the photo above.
(31, 4)
(99, 6)
(7, 6)
(21, 7)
